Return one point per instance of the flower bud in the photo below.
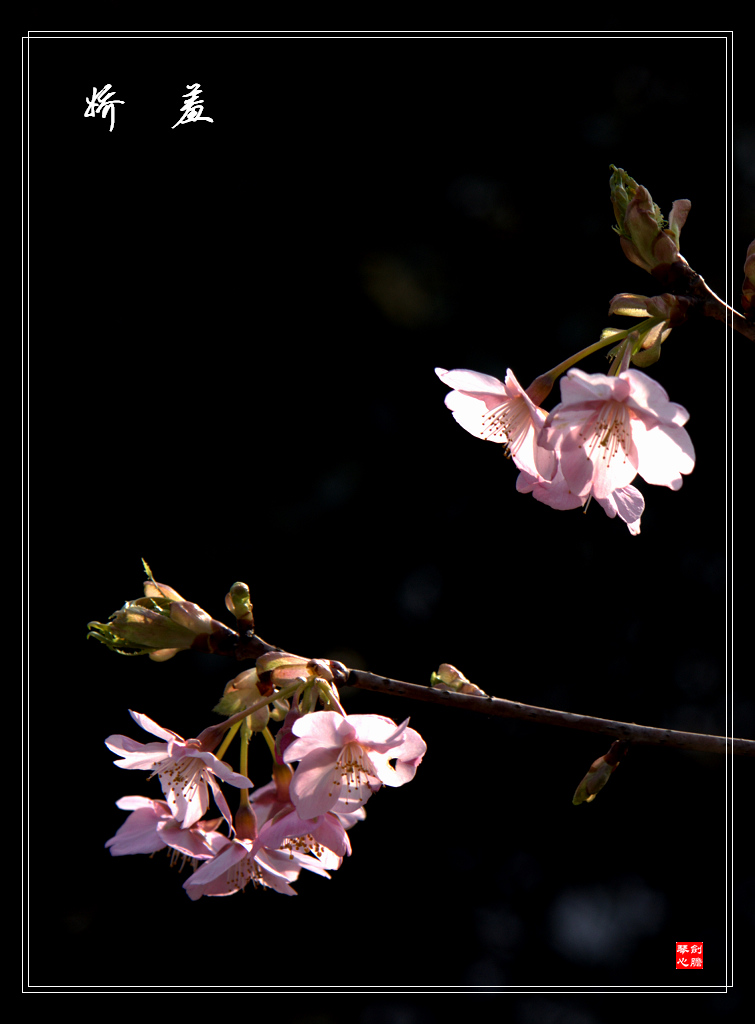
(281, 668)
(238, 601)
(159, 624)
(661, 313)
(450, 678)
(242, 692)
(599, 773)
(645, 239)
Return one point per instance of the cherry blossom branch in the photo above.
(252, 646)
(627, 731)
(162, 623)
(650, 244)
(680, 279)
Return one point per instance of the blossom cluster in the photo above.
(296, 822)
(605, 431)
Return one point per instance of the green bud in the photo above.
(242, 692)
(159, 624)
(599, 773)
(238, 601)
(644, 236)
(450, 678)
(139, 630)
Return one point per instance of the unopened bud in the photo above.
(242, 692)
(599, 773)
(238, 601)
(645, 239)
(159, 624)
(282, 667)
(450, 678)
(660, 312)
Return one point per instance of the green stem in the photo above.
(568, 363)
(246, 733)
(269, 739)
(227, 741)
(210, 737)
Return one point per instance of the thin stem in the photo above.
(246, 734)
(227, 741)
(269, 740)
(572, 360)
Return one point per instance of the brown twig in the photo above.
(627, 731)
(247, 646)
(680, 279)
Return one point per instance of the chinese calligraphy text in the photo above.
(101, 103)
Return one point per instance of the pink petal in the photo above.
(152, 727)
(665, 454)
(473, 383)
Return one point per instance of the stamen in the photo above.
(303, 844)
(609, 432)
(510, 420)
(353, 769)
(183, 776)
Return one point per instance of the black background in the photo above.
(233, 333)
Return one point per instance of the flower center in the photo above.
(182, 777)
(302, 844)
(510, 420)
(353, 771)
(610, 432)
(242, 873)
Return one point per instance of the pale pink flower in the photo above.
(343, 760)
(184, 770)
(606, 430)
(627, 502)
(235, 865)
(286, 844)
(138, 833)
(268, 804)
(151, 826)
(499, 412)
(323, 837)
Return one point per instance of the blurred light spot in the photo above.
(593, 924)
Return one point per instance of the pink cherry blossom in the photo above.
(184, 770)
(138, 833)
(500, 412)
(627, 502)
(267, 804)
(606, 430)
(286, 844)
(504, 413)
(151, 826)
(235, 865)
(323, 837)
(343, 760)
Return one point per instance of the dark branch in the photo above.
(627, 731)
